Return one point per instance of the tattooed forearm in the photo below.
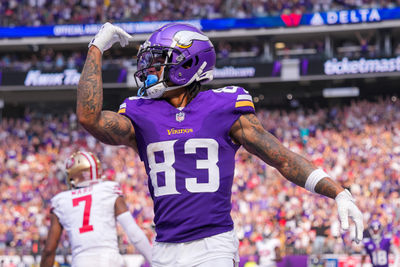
(107, 126)
(328, 187)
(261, 143)
(249, 132)
(293, 166)
(90, 91)
(117, 126)
(113, 129)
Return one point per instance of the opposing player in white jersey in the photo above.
(88, 212)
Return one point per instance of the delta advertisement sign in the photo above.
(346, 17)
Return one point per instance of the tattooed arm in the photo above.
(249, 132)
(107, 126)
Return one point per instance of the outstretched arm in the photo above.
(248, 131)
(107, 126)
(49, 251)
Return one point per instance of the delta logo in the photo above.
(291, 20)
(179, 131)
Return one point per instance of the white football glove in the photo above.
(109, 35)
(347, 208)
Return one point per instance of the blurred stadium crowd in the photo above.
(359, 144)
(46, 12)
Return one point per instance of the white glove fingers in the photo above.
(358, 221)
(125, 34)
(359, 231)
(109, 35)
(344, 220)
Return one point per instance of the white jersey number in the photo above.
(379, 257)
(231, 90)
(166, 148)
(86, 227)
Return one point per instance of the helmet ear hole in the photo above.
(197, 60)
(188, 64)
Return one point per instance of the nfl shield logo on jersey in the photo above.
(180, 116)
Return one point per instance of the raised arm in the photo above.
(107, 126)
(248, 131)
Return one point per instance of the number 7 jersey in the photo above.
(189, 158)
(87, 215)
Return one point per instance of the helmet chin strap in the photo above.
(158, 89)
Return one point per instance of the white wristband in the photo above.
(313, 179)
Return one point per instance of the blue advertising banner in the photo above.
(284, 20)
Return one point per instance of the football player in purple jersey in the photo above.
(187, 139)
(378, 245)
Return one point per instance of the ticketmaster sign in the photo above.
(361, 66)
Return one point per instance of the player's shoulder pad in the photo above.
(133, 100)
(57, 199)
(240, 98)
(112, 187)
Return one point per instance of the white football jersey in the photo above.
(87, 214)
(266, 251)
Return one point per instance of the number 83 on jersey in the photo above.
(191, 183)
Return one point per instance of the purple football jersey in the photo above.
(189, 158)
(378, 250)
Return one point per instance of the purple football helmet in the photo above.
(186, 54)
(376, 225)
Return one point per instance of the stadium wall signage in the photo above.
(345, 66)
(70, 77)
(37, 78)
(242, 71)
(284, 20)
(54, 79)
(234, 72)
(345, 17)
(361, 66)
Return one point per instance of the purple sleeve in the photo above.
(244, 102)
(237, 99)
